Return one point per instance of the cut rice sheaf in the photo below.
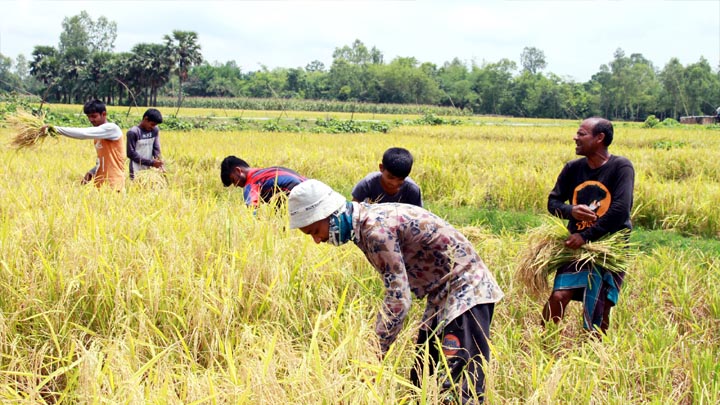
(546, 252)
(30, 129)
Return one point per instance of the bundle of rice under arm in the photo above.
(29, 128)
(546, 252)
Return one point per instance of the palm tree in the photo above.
(96, 79)
(45, 67)
(150, 68)
(119, 68)
(184, 47)
(73, 62)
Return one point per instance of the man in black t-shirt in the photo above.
(595, 195)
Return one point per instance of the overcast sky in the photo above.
(576, 36)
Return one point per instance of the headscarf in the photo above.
(340, 228)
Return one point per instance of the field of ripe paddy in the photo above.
(174, 292)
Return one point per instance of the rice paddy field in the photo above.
(223, 113)
(173, 292)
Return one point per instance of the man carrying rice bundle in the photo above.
(107, 138)
(595, 195)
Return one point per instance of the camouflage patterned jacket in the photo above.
(417, 251)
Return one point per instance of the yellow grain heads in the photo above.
(546, 252)
(30, 129)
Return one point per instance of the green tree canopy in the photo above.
(532, 59)
(81, 31)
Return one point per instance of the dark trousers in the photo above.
(465, 344)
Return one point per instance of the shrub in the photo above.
(669, 123)
(651, 122)
(667, 145)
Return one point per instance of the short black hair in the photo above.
(398, 161)
(606, 127)
(228, 165)
(94, 106)
(153, 114)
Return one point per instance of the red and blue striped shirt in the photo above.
(262, 184)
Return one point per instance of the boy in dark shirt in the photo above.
(391, 183)
(143, 143)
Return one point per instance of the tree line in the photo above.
(84, 66)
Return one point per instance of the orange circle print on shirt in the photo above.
(593, 194)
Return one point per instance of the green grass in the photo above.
(497, 221)
(649, 240)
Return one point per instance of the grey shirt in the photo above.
(142, 148)
(369, 190)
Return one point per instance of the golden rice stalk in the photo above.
(150, 179)
(474, 234)
(546, 252)
(29, 127)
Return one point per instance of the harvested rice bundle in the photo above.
(151, 179)
(29, 127)
(474, 234)
(546, 252)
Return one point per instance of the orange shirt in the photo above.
(111, 163)
(110, 148)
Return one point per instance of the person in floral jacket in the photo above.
(415, 252)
